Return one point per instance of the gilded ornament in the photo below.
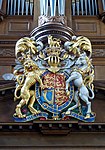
(53, 79)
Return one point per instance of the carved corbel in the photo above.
(102, 17)
(2, 15)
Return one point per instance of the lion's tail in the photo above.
(16, 90)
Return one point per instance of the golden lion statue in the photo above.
(27, 96)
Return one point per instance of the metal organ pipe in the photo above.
(82, 7)
(85, 7)
(45, 8)
(103, 2)
(90, 12)
(22, 4)
(31, 7)
(77, 7)
(53, 7)
(41, 7)
(14, 11)
(61, 7)
(1, 3)
(49, 7)
(19, 7)
(96, 7)
(86, 10)
(92, 7)
(8, 6)
(73, 8)
(27, 7)
(11, 8)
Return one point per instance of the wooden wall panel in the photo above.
(100, 72)
(85, 25)
(7, 51)
(99, 52)
(102, 28)
(37, 141)
(3, 28)
(19, 26)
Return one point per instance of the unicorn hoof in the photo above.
(87, 116)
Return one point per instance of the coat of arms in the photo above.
(54, 81)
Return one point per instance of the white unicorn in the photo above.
(82, 90)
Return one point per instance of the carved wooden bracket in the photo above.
(49, 19)
(2, 15)
(102, 17)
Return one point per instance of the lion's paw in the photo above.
(19, 115)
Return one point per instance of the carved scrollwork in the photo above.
(99, 53)
(51, 19)
(7, 52)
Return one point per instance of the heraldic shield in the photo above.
(54, 98)
(54, 81)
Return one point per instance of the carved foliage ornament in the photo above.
(53, 80)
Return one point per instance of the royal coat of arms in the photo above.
(54, 81)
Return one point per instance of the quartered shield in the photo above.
(54, 98)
